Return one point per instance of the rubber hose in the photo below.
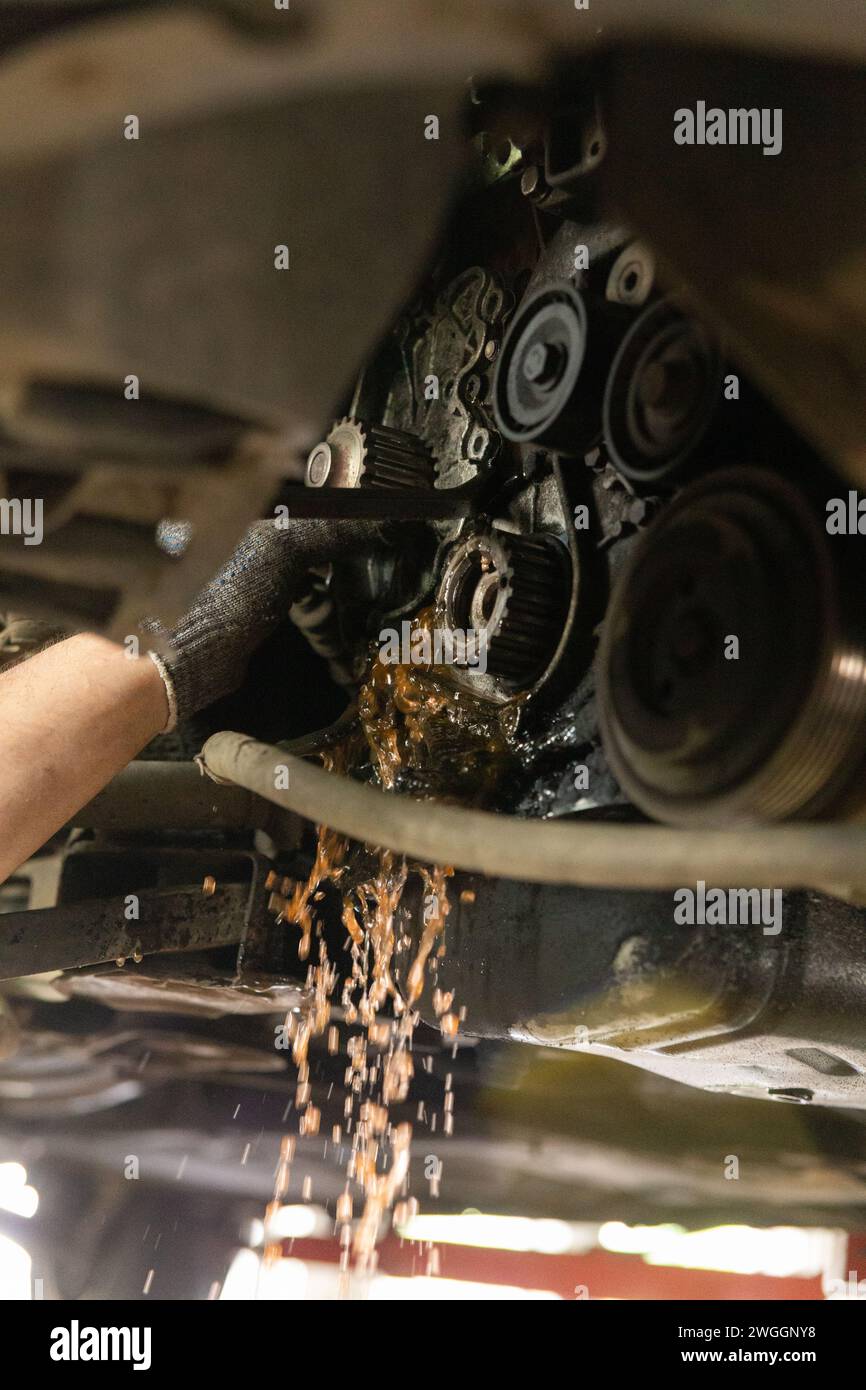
(830, 857)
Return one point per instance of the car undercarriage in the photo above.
(571, 753)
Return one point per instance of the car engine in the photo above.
(597, 686)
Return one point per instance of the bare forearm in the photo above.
(70, 718)
(74, 715)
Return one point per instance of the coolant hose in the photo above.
(830, 857)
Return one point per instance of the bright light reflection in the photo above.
(249, 1278)
(782, 1251)
(15, 1195)
(488, 1232)
(15, 1265)
(385, 1287)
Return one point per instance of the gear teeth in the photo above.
(382, 457)
(529, 629)
(395, 459)
(513, 588)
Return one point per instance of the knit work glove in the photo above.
(206, 655)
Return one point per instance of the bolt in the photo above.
(637, 511)
(666, 384)
(319, 466)
(543, 364)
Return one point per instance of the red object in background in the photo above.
(602, 1274)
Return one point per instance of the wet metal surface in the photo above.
(88, 933)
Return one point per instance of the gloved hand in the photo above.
(205, 656)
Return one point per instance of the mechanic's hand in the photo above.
(205, 656)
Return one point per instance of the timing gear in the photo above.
(356, 454)
(508, 590)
